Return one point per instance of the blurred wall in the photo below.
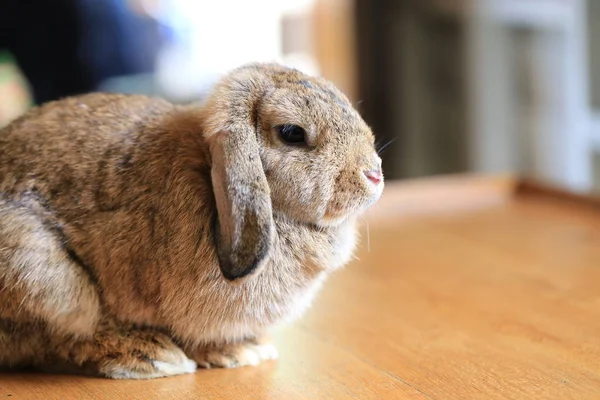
(593, 13)
(489, 86)
(411, 62)
(449, 86)
(334, 38)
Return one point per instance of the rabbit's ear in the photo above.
(245, 219)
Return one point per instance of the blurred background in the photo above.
(450, 86)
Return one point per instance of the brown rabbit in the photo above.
(141, 239)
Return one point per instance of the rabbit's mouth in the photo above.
(338, 217)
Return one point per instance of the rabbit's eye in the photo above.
(292, 134)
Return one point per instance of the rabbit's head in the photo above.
(284, 143)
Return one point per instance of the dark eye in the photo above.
(292, 134)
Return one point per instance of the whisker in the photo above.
(358, 106)
(368, 237)
(380, 149)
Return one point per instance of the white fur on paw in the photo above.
(158, 369)
(254, 354)
(246, 354)
(169, 369)
(250, 356)
(267, 351)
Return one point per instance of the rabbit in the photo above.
(141, 239)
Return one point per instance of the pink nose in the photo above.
(374, 176)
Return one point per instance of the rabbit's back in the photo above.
(64, 143)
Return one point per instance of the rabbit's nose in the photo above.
(374, 176)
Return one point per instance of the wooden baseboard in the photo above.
(465, 193)
(529, 187)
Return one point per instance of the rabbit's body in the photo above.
(108, 211)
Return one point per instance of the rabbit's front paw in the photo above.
(140, 365)
(249, 352)
(131, 355)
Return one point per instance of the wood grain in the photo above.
(478, 293)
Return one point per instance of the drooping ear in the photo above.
(244, 230)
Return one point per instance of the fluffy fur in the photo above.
(139, 239)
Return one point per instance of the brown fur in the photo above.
(121, 216)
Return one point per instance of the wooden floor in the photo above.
(463, 290)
